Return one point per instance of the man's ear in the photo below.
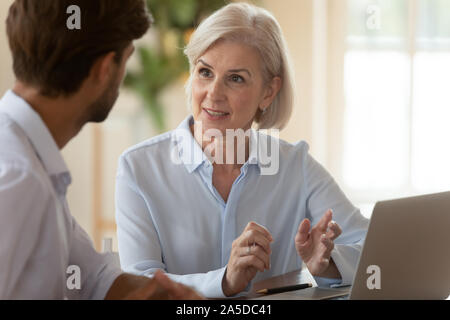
(103, 67)
(271, 92)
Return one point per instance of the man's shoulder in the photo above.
(16, 150)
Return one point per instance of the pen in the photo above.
(284, 289)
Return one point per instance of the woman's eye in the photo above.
(205, 73)
(236, 78)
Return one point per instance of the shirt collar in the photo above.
(36, 130)
(253, 147)
(192, 155)
(189, 151)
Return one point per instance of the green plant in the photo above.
(164, 63)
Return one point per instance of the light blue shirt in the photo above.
(170, 216)
(39, 238)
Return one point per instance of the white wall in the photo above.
(6, 75)
(295, 20)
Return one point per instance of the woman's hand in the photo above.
(315, 246)
(250, 253)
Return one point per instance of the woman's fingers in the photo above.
(322, 225)
(250, 253)
(253, 242)
(260, 229)
(334, 230)
(328, 245)
(315, 246)
(252, 237)
(259, 252)
(251, 261)
(303, 232)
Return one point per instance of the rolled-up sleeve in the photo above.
(323, 193)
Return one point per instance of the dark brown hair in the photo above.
(56, 60)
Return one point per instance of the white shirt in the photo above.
(39, 238)
(170, 216)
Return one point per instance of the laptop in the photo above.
(406, 254)
(408, 239)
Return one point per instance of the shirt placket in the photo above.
(228, 209)
(60, 183)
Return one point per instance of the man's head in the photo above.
(59, 62)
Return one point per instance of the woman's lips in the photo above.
(215, 114)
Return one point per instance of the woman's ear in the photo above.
(271, 92)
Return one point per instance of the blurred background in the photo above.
(372, 76)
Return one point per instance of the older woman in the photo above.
(218, 225)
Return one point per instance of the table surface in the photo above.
(287, 279)
(290, 278)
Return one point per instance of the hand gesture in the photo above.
(250, 253)
(314, 246)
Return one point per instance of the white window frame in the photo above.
(337, 48)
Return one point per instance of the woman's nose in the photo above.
(216, 90)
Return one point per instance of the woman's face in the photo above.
(228, 87)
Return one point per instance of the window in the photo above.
(396, 132)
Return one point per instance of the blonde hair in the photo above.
(254, 26)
